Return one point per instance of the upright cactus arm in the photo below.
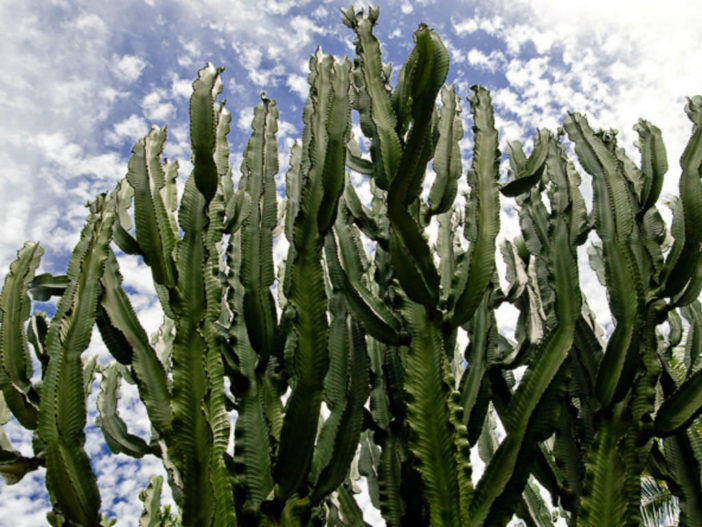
(191, 441)
(203, 130)
(614, 221)
(567, 197)
(36, 336)
(428, 417)
(214, 403)
(410, 252)
(153, 230)
(69, 478)
(427, 79)
(483, 336)
(484, 206)
(447, 156)
(307, 291)
(259, 168)
(603, 502)
(151, 496)
(680, 272)
(689, 181)
(382, 119)
(338, 135)
(15, 361)
(193, 444)
(352, 390)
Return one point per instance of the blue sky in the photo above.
(80, 81)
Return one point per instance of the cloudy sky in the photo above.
(81, 80)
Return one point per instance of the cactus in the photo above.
(356, 369)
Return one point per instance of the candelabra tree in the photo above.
(356, 368)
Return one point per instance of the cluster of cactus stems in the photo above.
(373, 336)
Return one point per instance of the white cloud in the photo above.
(155, 109)
(489, 62)
(245, 119)
(128, 68)
(298, 84)
(130, 129)
(90, 23)
(181, 87)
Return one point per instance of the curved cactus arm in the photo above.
(528, 171)
(355, 162)
(654, 162)
(376, 318)
(684, 474)
(121, 321)
(113, 427)
(13, 465)
(69, 478)
(536, 457)
(15, 361)
(447, 155)
(533, 509)
(693, 342)
(153, 229)
(362, 216)
(614, 222)
(45, 285)
(36, 336)
(484, 203)
(686, 264)
(428, 417)
(681, 408)
(123, 223)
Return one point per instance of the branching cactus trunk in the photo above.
(356, 368)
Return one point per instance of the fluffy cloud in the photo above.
(128, 68)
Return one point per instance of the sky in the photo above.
(81, 81)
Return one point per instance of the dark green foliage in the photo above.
(360, 367)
